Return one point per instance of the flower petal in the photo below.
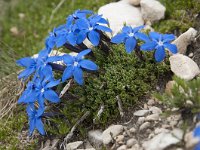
(78, 75)
(130, 44)
(26, 73)
(83, 53)
(87, 64)
(155, 36)
(68, 59)
(67, 73)
(136, 29)
(25, 62)
(82, 24)
(168, 37)
(61, 41)
(126, 29)
(71, 38)
(51, 96)
(103, 28)
(171, 47)
(160, 54)
(196, 132)
(81, 36)
(39, 125)
(52, 84)
(148, 46)
(142, 36)
(94, 37)
(119, 38)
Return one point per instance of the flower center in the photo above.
(75, 63)
(42, 90)
(160, 43)
(90, 28)
(131, 34)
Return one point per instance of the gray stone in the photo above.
(145, 126)
(131, 142)
(95, 138)
(74, 145)
(141, 113)
(152, 10)
(123, 147)
(153, 117)
(183, 67)
(113, 130)
(133, 2)
(184, 40)
(120, 13)
(155, 110)
(161, 142)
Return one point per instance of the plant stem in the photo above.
(139, 54)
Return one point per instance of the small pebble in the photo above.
(144, 126)
(153, 117)
(131, 142)
(132, 130)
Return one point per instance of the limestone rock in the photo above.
(183, 66)
(113, 130)
(152, 10)
(153, 117)
(120, 13)
(141, 113)
(133, 2)
(74, 145)
(184, 40)
(95, 138)
(160, 141)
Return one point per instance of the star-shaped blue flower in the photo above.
(42, 88)
(160, 42)
(75, 64)
(129, 36)
(89, 29)
(40, 65)
(35, 119)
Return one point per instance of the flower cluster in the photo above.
(81, 25)
(196, 134)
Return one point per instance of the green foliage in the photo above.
(180, 15)
(120, 74)
(10, 129)
(181, 93)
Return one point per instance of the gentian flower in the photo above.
(29, 95)
(196, 134)
(160, 42)
(39, 65)
(129, 36)
(75, 64)
(78, 14)
(35, 119)
(43, 90)
(89, 29)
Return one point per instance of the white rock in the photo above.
(74, 145)
(160, 130)
(119, 139)
(131, 142)
(185, 39)
(183, 66)
(153, 117)
(133, 2)
(95, 138)
(152, 10)
(144, 126)
(120, 13)
(123, 147)
(113, 130)
(190, 140)
(141, 113)
(160, 141)
(155, 110)
(140, 120)
(151, 102)
(178, 133)
(132, 130)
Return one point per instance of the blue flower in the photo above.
(35, 119)
(40, 65)
(78, 14)
(89, 29)
(160, 42)
(75, 65)
(129, 36)
(29, 94)
(42, 88)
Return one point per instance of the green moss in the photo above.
(180, 15)
(120, 74)
(10, 131)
